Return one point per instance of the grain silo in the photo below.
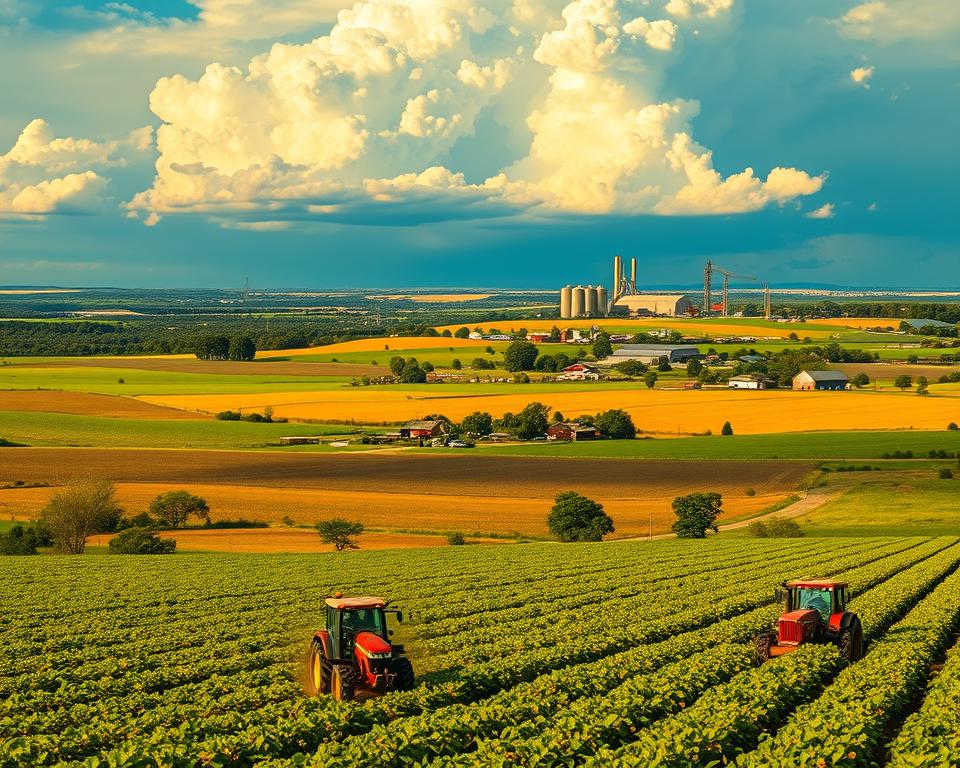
(566, 302)
(579, 306)
(590, 295)
(603, 301)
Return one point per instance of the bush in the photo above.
(758, 529)
(577, 518)
(775, 528)
(24, 540)
(727, 429)
(482, 364)
(456, 539)
(751, 492)
(141, 541)
(945, 473)
(228, 416)
(952, 426)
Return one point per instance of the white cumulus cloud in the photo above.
(361, 124)
(889, 20)
(862, 75)
(825, 211)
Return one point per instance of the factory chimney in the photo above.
(633, 274)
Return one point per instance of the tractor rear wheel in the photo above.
(851, 642)
(343, 682)
(403, 669)
(318, 671)
(762, 644)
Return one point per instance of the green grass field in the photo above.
(796, 445)
(59, 429)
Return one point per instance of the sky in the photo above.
(492, 143)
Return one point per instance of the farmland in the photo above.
(197, 660)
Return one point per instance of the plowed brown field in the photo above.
(86, 404)
(470, 493)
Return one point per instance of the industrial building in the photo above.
(650, 354)
(583, 301)
(653, 305)
(809, 380)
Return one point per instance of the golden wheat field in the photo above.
(525, 515)
(656, 411)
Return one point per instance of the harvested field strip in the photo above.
(664, 411)
(86, 404)
(172, 364)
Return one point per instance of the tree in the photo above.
(242, 347)
(694, 368)
(631, 368)
(81, 509)
(664, 364)
(577, 518)
(903, 382)
(396, 365)
(482, 364)
(141, 541)
(477, 423)
(412, 373)
(696, 514)
(532, 421)
(446, 333)
(521, 378)
(172, 509)
(456, 539)
(554, 337)
(650, 379)
(727, 429)
(520, 356)
(952, 426)
(426, 366)
(602, 346)
(456, 364)
(860, 380)
(340, 533)
(462, 333)
(23, 540)
(615, 424)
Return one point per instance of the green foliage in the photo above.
(396, 365)
(650, 379)
(726, 429)
(860, 380)
(456, 364)
(615, 424)
(79, 510)
(520, 356)
(340, 533)
(24, 539)
(242, 348)
(174, 508)
(775, 528)
(602, 346)
(477, 423)
(462, 333)
(945, 473)
(577, 518)
(456, 539)
(482, 364)
(696, 514)
(412, 373)
(141, 541)
(903, 382)
(952, 426)
(630, 368)
(664, 364)
(694, 368)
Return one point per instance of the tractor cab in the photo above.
(353, 651)
(815, 611)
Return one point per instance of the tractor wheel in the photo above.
(343, 682)
(851, 642)
(762, 644)
(318, 671)
(404, 672)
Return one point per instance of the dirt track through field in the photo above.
(87, 404)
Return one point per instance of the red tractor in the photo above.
(353, 652)
(816, 612)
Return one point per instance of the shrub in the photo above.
(24, 540)
(228, 416)
(141, 541)
(456, 539)
(751, 492)
(287, 521)
(727, 429)
(758, 529)
(945, 473)
(783, 528)
(577, 518)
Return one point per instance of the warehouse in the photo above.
(651, 354)
(651, 305)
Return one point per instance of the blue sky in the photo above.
(455, 142)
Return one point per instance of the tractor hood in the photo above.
(798, 626)
(373, 646)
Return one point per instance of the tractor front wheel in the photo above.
(851, 642)
(343, 682)
(403, 669)
(762, 644)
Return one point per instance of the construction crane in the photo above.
(708, 271)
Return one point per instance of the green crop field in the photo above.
(596, 655)
(62, 429)
(790, 445)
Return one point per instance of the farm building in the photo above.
(651, 353)
(571, 431)
(578, 372)
(649, 305)
(821, 380)
(419, 429)
(749, 381)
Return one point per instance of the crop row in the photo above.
(732, 719)
(930, 737)
(847, 725)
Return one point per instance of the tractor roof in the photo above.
(355, 602)
(816, 583)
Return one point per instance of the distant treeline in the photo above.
(947, 313)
